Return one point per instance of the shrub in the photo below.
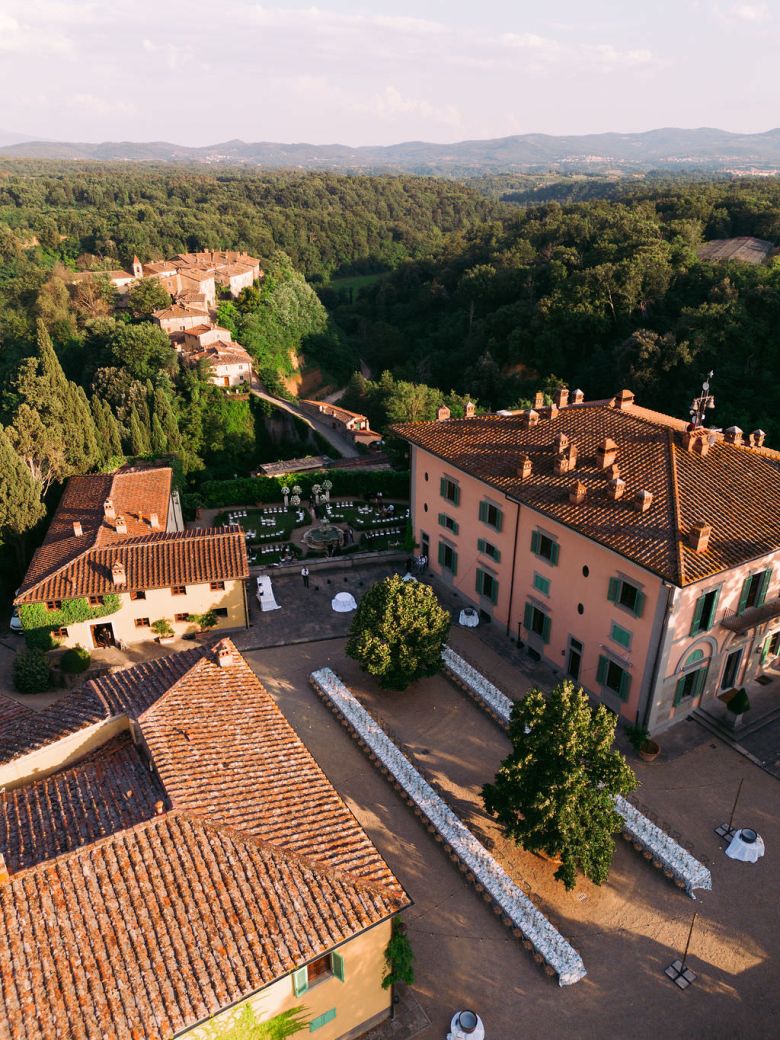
(31, 673)
(637, 735)
(75, 660)
(740, 702)
(205, 621)
(162, 628)
(399, 957)
(398, 632)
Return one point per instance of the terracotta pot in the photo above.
(649, 751)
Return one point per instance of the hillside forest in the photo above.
(440, 290)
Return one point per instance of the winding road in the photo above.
(341, 445)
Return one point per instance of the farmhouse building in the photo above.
(632, 553)
(352, 424)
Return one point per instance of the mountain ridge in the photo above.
(676, 147)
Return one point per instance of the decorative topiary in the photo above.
(31, 672)
(75, 660)
(740, 702)
(398, 632)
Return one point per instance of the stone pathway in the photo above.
(408, 1020)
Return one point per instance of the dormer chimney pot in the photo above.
(108, 509)
(524, 467)
(561, 442)
(120, 525)
(224, 657)
(623, 399)
(699, 537)
(577, 397)
(757, 438)
(118, 575)
(538, 400)
(561, 396)
(529, 419)
(616, 489)
(642, 501)
(78, 530)
(732, 435)
(606, 453)
(443, 413)
(578, 493)
(470, 410)
(154, 521)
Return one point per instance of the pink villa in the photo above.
(629, 550)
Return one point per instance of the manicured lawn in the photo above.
(372, 519)
(356, 282)
(278, 526)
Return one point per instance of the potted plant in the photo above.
(163, 630)
(737, 704)
(647, 749)
(205, 622)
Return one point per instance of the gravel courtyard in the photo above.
(627, 931)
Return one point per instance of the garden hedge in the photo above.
(219, 494)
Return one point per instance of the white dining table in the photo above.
(265, 593)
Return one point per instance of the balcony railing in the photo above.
(752, 617)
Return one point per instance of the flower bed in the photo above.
(665, 853)
(516, 909)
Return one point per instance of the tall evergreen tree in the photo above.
(20, 499)
(138, 435)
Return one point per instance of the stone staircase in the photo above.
(714, 723)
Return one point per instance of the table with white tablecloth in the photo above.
(746, 845)
(343, 602)
(468, 618)
(265, 594)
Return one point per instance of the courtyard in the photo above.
(627, 931)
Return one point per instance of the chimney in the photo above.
(696, 441)
(549, 411)
(78, 530)
(623, 400)
(529, 419)
(154, 521)
(732, 435)
(578, 493)
(442, 413)
(613, 471)
(642, 501)
(118, 575)
(577, 397)
(121, 525)
(560, 442)
(5, 874)
(566, 460)
(538, 400)
(616, 489)
(699, 537)
(108, 509)
(159, 807)
(561, 396)
(524, 468)
(224, 657)
(606, 453)
(470, 410)
(756, 439)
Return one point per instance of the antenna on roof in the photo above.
(700, 404)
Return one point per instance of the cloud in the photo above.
(17, 37)
(747, 14)
(94, 105)
(392, 105)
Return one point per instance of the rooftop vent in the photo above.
(108, 509)
(561, 396)
(699, 537)
(470, 410)
(118, 575)
(120, 525)
(732, 435)
(756, 439)
(606, 453)
(623, 399)
(578, 493)
(616, 489)
(443, 413)
(524, 467)
(577, 397)
(224, 657)
(154, 521)
(642, 501)
(78, 530)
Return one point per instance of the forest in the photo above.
(444, 291)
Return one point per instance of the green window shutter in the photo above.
(696, 624)
(614, 590)
(454, 562)
(494, 591)
(701, 679)
(337, 966)
(763, 587)
(300, 981)
(621, 636)
(441, 554)
(765, 650)
(481, 545)
(625, 686)
(744, 595)
(499, 519)
(322, 1020)
(455, 526)
(554, 551)
(496, 554)
(480, 580)
(443, 487)
(483, 508)
(456, 495)
(528, 615)
(601, 671)
(442, 520)
(679, 690)
(639, 605)
(536, 540)
(546, 624)
(709, 621)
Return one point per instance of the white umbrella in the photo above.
(343, 602)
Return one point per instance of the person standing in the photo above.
(305, 576)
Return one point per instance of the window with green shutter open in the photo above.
(754, 590)
(322, 1020)
(624, 594)
(491, 515)
(449, 523)
(545, 547)
(449, 490)
(487, 585)
(704, 611)
(611, 676)
(536, 621)
(690, 685)
(488, 549)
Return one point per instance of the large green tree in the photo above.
(20, 497)
(147, 296)
(555, 792)
(398, 632)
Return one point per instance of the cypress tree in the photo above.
(138, 436)
(159, 443)
(20, 499)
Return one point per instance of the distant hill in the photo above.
(8, 137)
(703, 148)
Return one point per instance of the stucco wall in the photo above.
(161, 603)
(358, 1000)
(39, 764)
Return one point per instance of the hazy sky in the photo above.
(203, 71)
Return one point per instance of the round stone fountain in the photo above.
(325, 536)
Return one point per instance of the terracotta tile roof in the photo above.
(110, 790)
(735, 489)
(121, 923)
(31, 730)
(69, 565)
(178, 311)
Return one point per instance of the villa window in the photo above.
(448, 557)
(449, 523)
(221, 611)
(487, 585)
(179, 590)
(61, 633)
(142, 622)
(138, 594)
(96, 601)
(491, 515)
(612, 677)
(754, 590)
(488, 549)
(624, 594)
(704, 611)
(621, 636)
(331, 965)
(450, 490)
(692, 682)
(545, 547)
(54, 604)
(542, 584)
(536, 621)
(181, 618)
(217, 586)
